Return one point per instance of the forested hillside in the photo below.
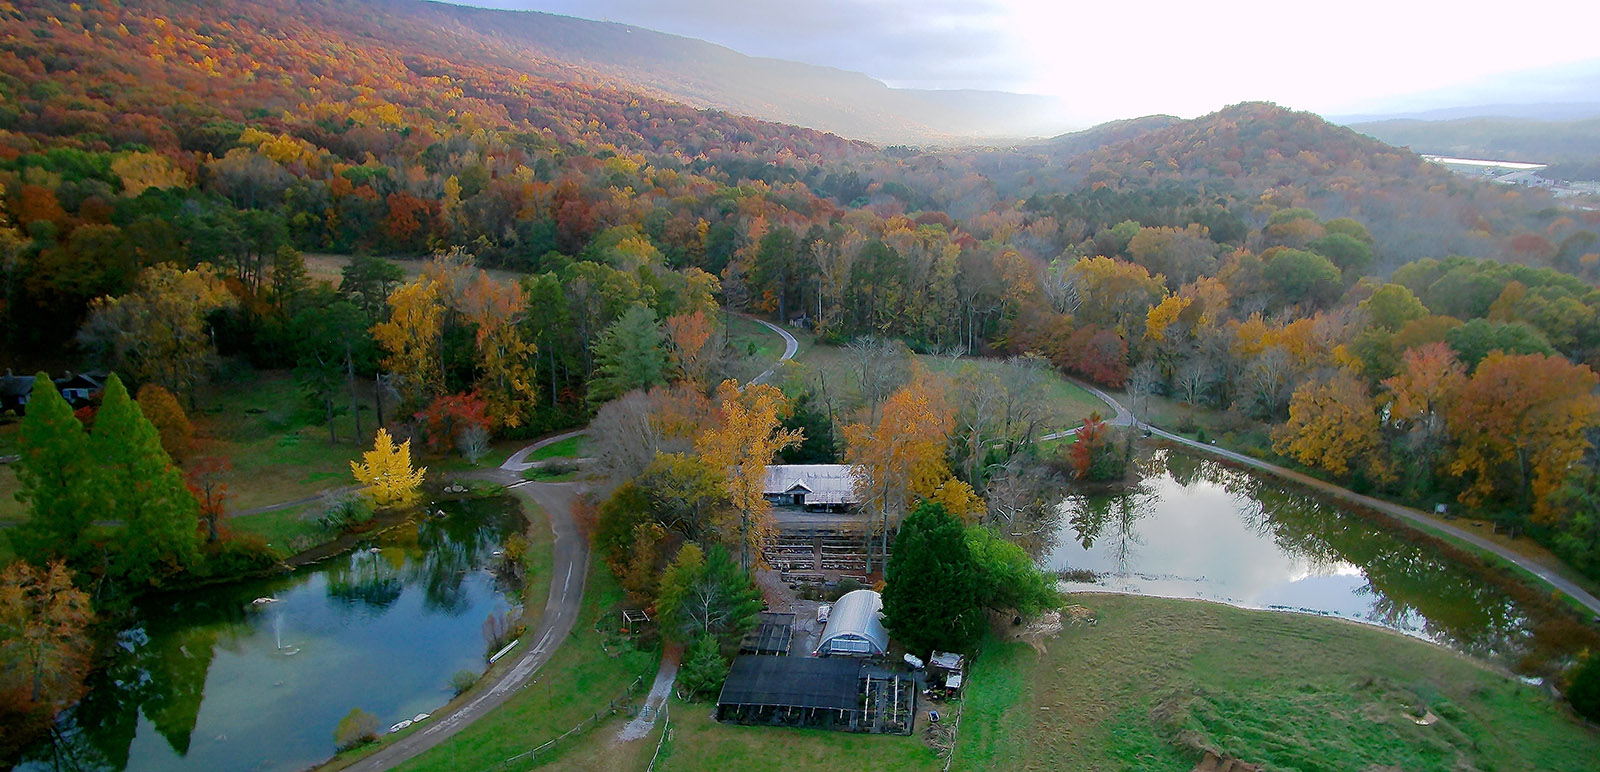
(1256, 262)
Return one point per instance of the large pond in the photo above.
(212, 680)
(1194, 528)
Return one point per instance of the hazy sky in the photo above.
(1123, 58)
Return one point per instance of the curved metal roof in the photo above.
(856, 617)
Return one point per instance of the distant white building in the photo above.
(813, 486)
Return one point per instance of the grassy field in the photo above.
(700, 744)
(1068, 403)
(329, 268)
(571, 447)
(580, 679)
(278, 444)
(1158, 681)
(751, 338)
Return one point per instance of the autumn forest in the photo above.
(523, 249)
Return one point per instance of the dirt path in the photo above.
(639, 727)
(1405, 514)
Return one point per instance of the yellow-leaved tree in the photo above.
(387, 474)
(901, 457)
(743, 441)
(411, 339)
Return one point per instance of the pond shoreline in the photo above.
(1503, 575)
(1241, 536)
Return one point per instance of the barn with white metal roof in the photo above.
(831, 486)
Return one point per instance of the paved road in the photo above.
(790, 348)
(519, 462)
(570, 565)
(1403, 513)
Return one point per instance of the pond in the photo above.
(1194, 528)
(211, 679)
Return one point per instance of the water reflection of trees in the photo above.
(369, 578)
(454, 546)
(1113, 519)
(1410, 586)
(159, 669)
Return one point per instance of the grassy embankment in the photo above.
(1157, 681)
(568, 449)
(585, 673)
(700, 744)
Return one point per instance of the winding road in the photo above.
(790, 348)
(569, 568)
(1413, 517)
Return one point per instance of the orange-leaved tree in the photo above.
(901, 457)
(167, 415)
(386, 472)
(1519, 425)
(207, 478)
(504, 355)
(742, 441)
(1421, 394)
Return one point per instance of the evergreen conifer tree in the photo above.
(159, 516)
(931, 598)
(62, 490)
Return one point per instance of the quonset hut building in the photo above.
(855, 627)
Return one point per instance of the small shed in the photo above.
(855, 626)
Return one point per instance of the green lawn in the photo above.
(1068, 403)
(1157, 681)
(700, 744)
(557, 473)
(287, 531)
(750, 338)
(571, 447)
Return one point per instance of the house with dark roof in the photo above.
(14, 392)
(78, 387)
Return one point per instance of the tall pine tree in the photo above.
(62, 489)
(931, 598)
(160, 517)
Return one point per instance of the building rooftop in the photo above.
(856, 616)
(821, 483)
(792, 682)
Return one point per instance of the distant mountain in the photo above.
(1543, 111)
(703, 74)
(1079, 142)
(1501, 139)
